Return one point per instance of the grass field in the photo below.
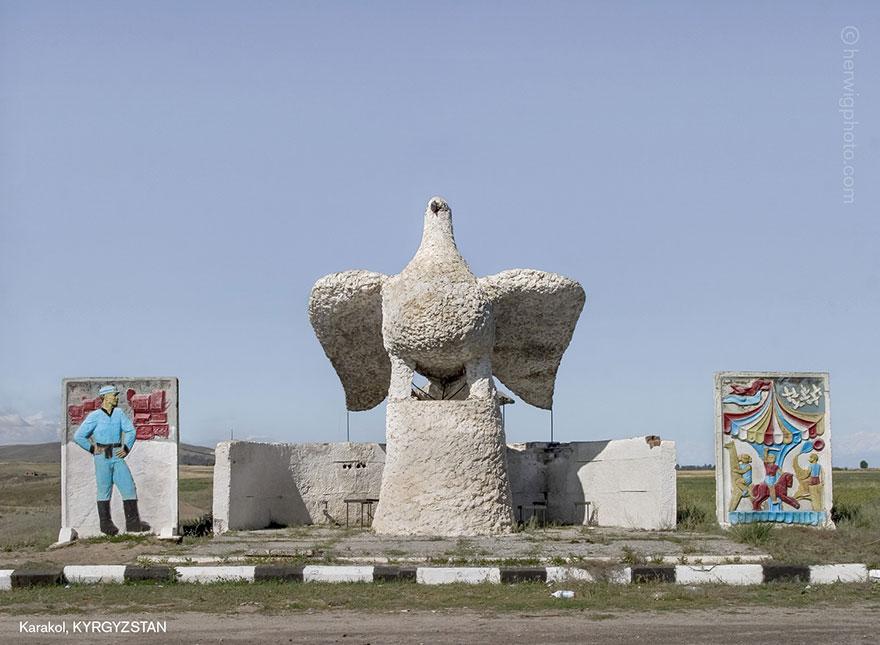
(30, 513)
(280, 597)
(856, 512)
(30, 502)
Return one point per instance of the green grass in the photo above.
(856, 512)
(195, 485)
(122, 538)
(696, 501)
(196, 492)
(631, 556)
(857, 537)
(279, 597)
(859, 489)
(30, 506)
(198, 527)
(757, 535)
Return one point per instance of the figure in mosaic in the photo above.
(445, 471)
(109, 435)
(741, 480)
(809, 480)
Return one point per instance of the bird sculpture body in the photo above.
(437, 319)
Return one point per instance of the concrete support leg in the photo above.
(479, 378)
(401, 379)
(445, 470)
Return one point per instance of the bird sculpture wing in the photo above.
(535, 316)
(345, 310)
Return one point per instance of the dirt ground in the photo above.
(859, 624)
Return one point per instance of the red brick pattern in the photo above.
(150, 416)
(150, 412)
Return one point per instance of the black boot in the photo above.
(107, 526)
(133, 522)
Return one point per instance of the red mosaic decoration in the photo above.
(150, 413)
(79, 412)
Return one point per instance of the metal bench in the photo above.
(538, 511)
(366, 508)
(588, 519)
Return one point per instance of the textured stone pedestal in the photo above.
(445, 470)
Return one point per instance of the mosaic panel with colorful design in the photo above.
(773, 448)
(127, 480)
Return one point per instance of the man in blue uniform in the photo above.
(112, 437)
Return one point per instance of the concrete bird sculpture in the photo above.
(436, 318)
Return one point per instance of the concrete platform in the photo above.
(563, 544)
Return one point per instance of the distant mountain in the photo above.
(34, 428)
(50, 453)
(191, 455)
(43, 453)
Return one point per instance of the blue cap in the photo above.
(108, 389)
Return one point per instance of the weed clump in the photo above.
(756, 534)
(847, 512)
(631, 556)
(199, 527)
(691, 516)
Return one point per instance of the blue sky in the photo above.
(175, 176)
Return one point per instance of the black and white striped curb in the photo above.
(487, 561)
(731, 574)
